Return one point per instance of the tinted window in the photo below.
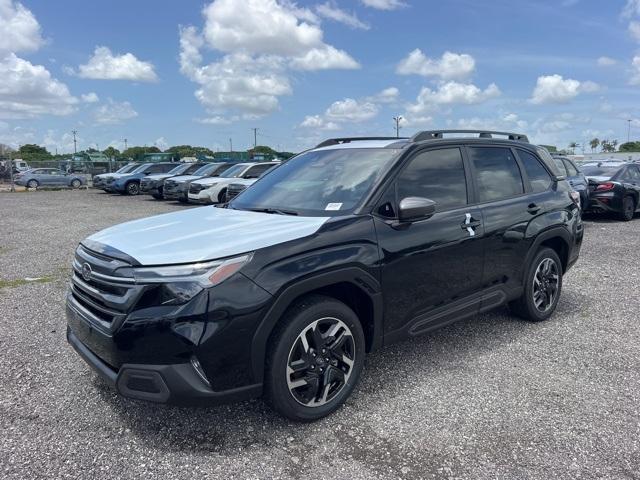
(600, 171)
(633, 173)
(437, 175)
(192, 168)
(497, 173)
(156, 169)
(538, 176)
(167, 167)
(255, 172)
(573, 171)
(561, 166)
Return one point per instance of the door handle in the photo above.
(533, 208)
(470, 224)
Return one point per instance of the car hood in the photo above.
(185, 178)
(204, 233)
(244, 181)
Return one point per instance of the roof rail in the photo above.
(436, 134)
(337, 141)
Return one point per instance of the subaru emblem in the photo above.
(86, 271)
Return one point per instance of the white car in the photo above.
(214, 190)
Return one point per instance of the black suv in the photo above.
(345, 248)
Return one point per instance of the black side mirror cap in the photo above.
(412, 209)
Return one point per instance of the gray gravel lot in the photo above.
(491, 397)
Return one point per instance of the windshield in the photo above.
(318, 183)
(141, 168)
(178, 170)
(206, 170)
(126, 168)
(233, 171)
(600, 171)
(192, 168)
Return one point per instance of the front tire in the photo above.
(32, 184)
(542, 288)
(132, 188)
(222, 196)
(76, 183)
(628, 209)
(315, 359)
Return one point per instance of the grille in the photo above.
(170, 186)
(107, 294)
(233, 190)
(146, 184)
(196, 188)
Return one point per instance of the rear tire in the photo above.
(132, 188)
(628, 209)
(76, 183)
(542, 287)
(323, 340)
(33, 184)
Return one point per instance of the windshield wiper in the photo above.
(272, 210)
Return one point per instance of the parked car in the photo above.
(575, 178)
(99, 181)
(614, 188)
(154, 184)
(349, 246)
(177, 188)
(129, 183)
(241, 184)
(214, 190)
(49, 177)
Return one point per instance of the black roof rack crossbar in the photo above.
(436, 134)
(337, 141)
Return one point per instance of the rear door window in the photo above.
(256, 171)
(561, 166)
(437, 175)
(497, 173)
(571, 170)
(538, 176)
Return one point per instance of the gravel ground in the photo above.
(491, 397)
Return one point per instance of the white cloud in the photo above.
(452, 93)
(331, 11)
(214, 120)
(450, 66)
(19, 27)
(161, 143)
(319, 123)
(631, 8)
(104, 65)
(634, 30)
(388, 95)
(635, 66)
(114, 112)
(384, 4)
(261, 44)
(28, 91)
(556, 89)
(52, 141)
(351, 110)
(90, 97)
(607, 62)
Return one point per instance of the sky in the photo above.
(163, 73)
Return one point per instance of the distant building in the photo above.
(232, 156)
(594, 157)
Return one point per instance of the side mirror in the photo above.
(412, 209)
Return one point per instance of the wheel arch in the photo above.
(353, 286)
(558, 239)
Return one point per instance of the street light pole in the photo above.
(628, 130)
(75, 150)
(397, 120)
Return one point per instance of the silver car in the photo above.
(49, 177)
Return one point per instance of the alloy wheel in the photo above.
(545, 284)
(320, 362)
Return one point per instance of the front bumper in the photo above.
(202, 197)
(173, 192)
(176, 383)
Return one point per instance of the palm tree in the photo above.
(614, 144)
(594, 144)
(573, 146)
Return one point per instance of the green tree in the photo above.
(137, 152)
(111, 152)
(189, 151)
(594, 144)
(630, 147)
(608, 146)
(31, 152)
(573, 146)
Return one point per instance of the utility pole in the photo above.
(397, 120)
(75, 149)
(255, 137)
(125, 143)
(230, 145)
(628, 130)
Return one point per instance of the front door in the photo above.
(430, 268)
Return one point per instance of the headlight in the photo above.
(206, 274)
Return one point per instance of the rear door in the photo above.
(512, 193)
(429, 265)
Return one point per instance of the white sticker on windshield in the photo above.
(333, 206)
